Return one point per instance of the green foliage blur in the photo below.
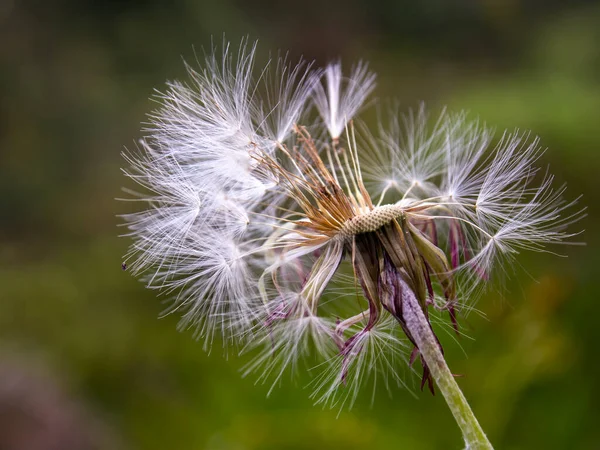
(75, 80)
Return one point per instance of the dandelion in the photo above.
(276, 223)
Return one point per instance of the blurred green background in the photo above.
(84, 360)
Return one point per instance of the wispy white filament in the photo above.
(340, 98)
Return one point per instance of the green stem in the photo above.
(420, 329)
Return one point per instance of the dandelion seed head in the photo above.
(274, 219)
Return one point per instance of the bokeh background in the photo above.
(85, 363)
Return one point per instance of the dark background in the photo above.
(84, 360)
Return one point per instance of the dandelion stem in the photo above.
(420, 329)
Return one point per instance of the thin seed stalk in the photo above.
(420, 329)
